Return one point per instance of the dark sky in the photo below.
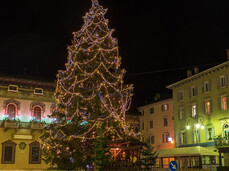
(156, 38)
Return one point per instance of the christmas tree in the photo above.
(148, 156)
(90, 93)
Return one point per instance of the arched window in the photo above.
(226, 130)
(11, 111)
(37, 113)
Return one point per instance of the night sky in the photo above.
(158, 40)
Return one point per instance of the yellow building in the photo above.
(201, 106)
(24, 109)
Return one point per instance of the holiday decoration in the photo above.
(90, 94)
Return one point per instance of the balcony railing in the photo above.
(10, 124)
(37, 125)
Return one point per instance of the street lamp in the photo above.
(198, 121)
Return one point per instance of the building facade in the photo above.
(24, 109)
(201, 106)
(156, 124)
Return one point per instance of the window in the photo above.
(210, 133)
(196, 135)
(151, 124)
(152, 139)
(206, 86)
(34, 153)
(180, 95)
(165, 137)
(142, 125)
(222, 81)
(38, 91)
(194, 110)
(183, 137)
(11, 111)
(224, 103)
(13, 88)
(8, 152)
(193, 91)
(208, 107)
(165, 107)
(151, 110)
(142, 112)
(165, 121)
(226, 131)
(37, 113)
(181, 113)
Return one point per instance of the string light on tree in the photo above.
(90, 92)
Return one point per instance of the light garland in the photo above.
(91, 90)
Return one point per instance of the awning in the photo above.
(187, 151)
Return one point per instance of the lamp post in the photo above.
(197, 121)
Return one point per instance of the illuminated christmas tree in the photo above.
(90, 92)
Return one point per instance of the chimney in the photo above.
(228, 54)
(196, 70)
(189, 73)
(157, 96)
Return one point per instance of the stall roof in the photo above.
(187, 151)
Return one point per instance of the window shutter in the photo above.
(227, 102)
(213, 132)
(204, 107)
(185, 138)
(220, 104)
(209, 85)
(218, 83)
(162, 108)
(226, 80)
(193, 136)
(199, 136)
(179, 138)
(163, 140)
(211, 107)
(167, 106)
(202, 87)
(196, 90)
(190, 92)
(178, 97)
(206, 134)
(183, 115)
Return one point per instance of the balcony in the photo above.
(10, 124)
(37, 125)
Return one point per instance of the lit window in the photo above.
(194, 110)
(13, 88)
(151, 110)
(165, 107)
(181, 113)
(8, 152)
(151, 124)
(207, 107)
(37, 113)
(165, 122)
(223, 101)
(38, 91)
(35, 153)
(11, 111)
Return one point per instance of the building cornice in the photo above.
(196, 76)
(156, 103)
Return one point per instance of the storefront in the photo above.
(188, 157)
